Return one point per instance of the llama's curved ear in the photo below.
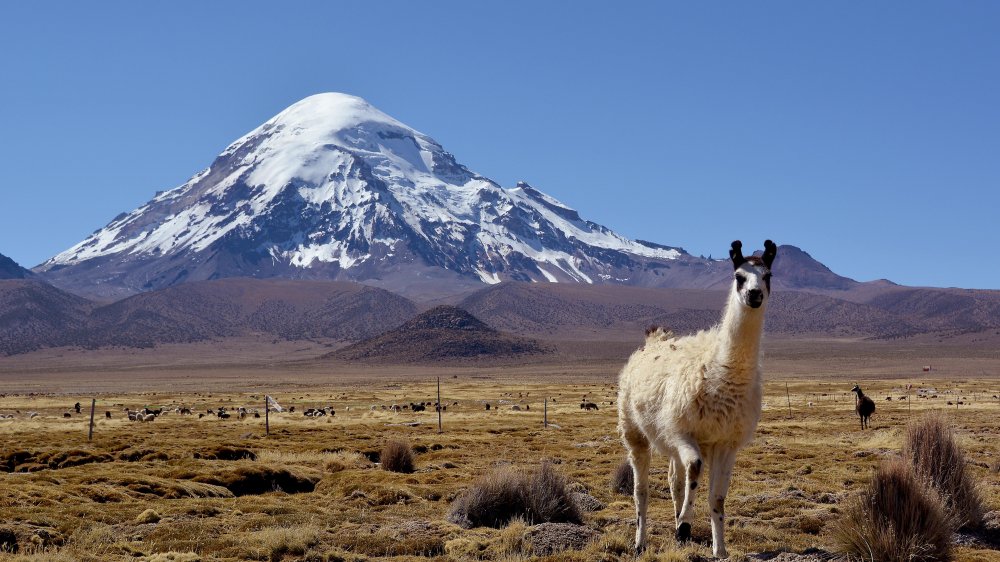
(736, 254)
(770, 251)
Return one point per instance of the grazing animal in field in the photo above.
(67, 415)
(487, 406)
(107, 415)
(697, 399)
(589, 406)
(77, 407)
(865, 407)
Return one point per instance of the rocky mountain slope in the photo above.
(9, 269)
(34, 315)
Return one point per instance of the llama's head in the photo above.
(856, 389)
(752, 281)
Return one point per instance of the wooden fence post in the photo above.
(545, 421)
(789, 398)
(267, 416)
(439, 405)
(93, 404)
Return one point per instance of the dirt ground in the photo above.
(185, 488)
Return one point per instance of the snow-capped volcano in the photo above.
(332, 187)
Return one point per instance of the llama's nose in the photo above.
(755, 297)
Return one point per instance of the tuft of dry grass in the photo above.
(931, 448)
(507, 494)
(397, 456)
(148, 516)
(623, 479)
(897, 517)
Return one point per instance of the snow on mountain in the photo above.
(332, 187)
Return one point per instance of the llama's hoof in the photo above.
(684, 532)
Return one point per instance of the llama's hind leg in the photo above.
(676, 487)
(639, 456)
(689, 456)
(721, 461)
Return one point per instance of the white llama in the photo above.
(698, 398)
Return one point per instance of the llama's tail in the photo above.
(658, 333)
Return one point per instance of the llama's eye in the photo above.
(767, 277)
(740, 280)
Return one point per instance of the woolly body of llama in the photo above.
(696, 398)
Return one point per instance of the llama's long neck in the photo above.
(739, 336)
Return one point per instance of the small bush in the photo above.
(507, 494)
(148, 516)
(397, 456)
(931, 448)
(897, 517)
(623, 479)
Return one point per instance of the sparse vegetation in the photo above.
(397, 456)
(314, 492)
(896, 518)
(931, 448)
(508, 493)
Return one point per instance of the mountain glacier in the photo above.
(332, 187)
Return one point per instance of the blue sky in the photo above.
(866, 133)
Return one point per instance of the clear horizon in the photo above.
(865, 135)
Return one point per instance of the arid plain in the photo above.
(186, 488)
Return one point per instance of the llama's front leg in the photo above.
(639, 457)
(721, 467)
(690, 462)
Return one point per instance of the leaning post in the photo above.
(93, 404)
(439, 405)
(267, 416)
(545, 409)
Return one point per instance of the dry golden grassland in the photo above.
(154, 491)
